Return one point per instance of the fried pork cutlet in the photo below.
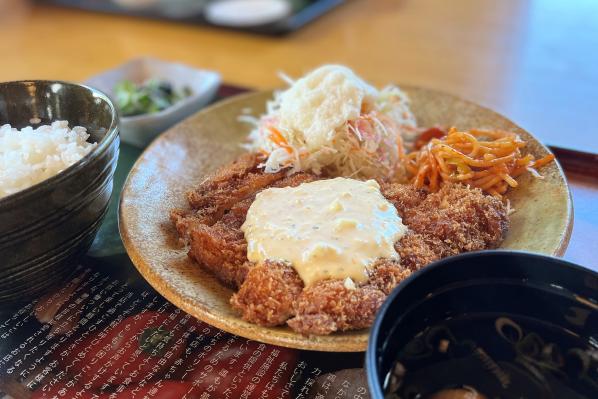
(460, 218)
(417, 250)
(220, 192)
(274, 292)
(267, 295)
(328, 306)
(218, 209)
(386, 274)
(403, 196)
(220, 249)
(453, 220)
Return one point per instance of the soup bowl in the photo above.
(488, 324)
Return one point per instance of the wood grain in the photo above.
(535, 61)
(583, 246)
(581, 169)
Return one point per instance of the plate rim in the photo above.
(357, 340)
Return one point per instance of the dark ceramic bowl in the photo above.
(508, 324)
(46, 227)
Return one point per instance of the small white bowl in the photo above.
(140, 130)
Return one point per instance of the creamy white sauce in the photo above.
(327, 229)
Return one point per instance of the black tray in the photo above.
(304, 11)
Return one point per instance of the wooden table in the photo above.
(534, 61)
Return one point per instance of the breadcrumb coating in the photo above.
(462, 218)
(386, 274)
(404, 197)
(267, 295)
(455, 219)
(329, 306)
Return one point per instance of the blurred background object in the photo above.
(532, 60)
(240, 13)
(262, 16)
(151, 95)
(529, 59)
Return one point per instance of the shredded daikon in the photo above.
(332, 121)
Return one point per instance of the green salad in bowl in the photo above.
(154, 95)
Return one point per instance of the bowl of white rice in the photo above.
(58, 152)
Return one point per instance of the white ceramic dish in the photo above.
(246, 13)
(140, 130)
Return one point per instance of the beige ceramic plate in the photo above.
(179, 159)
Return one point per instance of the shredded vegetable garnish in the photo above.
(331, 121)
(487, 159)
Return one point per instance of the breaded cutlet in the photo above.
(455, 219)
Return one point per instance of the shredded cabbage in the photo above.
(367, 144)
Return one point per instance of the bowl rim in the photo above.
(214, 80)
(210, 76)
(102, 145)
(371, 366)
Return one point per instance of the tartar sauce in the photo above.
(327, 229)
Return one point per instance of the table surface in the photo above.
(534, 61)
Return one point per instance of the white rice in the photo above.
(29, 155)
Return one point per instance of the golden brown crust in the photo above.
(218, 209)
(266, 296)
(403, 196)
(386, 274)
(221, 191)
(453, 220)
(329, 306)
(416, 250)
(221, 250)
(462, 218)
